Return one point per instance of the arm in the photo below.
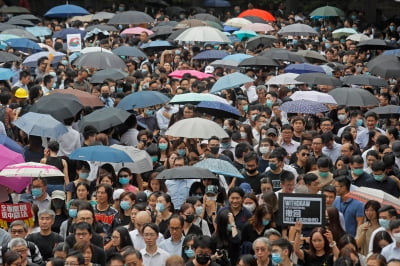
(332, 244)
(361, 234)
(65, 170)
(297, 241)
(231, 220)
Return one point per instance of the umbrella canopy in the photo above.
(14, 10)
(99, 153)
(353, 97)
(216, 3)
(104, 118)
(190, 23)
(161, 31)
(63, 33)
(11, 144)
(343, 32)
(385, 66)
(66, 11)
(260, 41)
(283, 54)
(20, 22)
(109, 73)
(31, 61)
(298, 29)
(219, 167)
(258, 61)
(94, 49)
(58, 105)
(327, 11)
(142, 99)
(239, 57)
(237, 22)
(8, 157)
(358, 37)
(195, 98)
(366, 80)
(312, 56)
(314, 96)
(365, 194)
(85, 98)
(136, 31)
(287, 78)
(258, 27)
(319, 78)
(186, 172)
(100, 60)
(24, 44)
(129, 51)
(39, 31)
(244, 34)
(395, 52)
(197, 74)
(206, 16)
(218, 109)
(101, 27)
(304, 107)
(265, 15)
(27, 17)
(196, 128)
(303, 68)
(30, 169)
(130, 17)
(229, 81)
(21, 33)
(6, 73)
(389, 110)
(210, 55)
(157, 45)
(8, 57)
(225, 63)
(100, 16)
(202, 34)
(142, 161)
(42, 125)
(5, 37)
(5, 26)
(374, 44)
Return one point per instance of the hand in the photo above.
(51, 57)
(365, 227)
(329, 236)
(231, 218)
(298, 226)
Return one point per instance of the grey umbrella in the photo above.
(284, 55)
(298, 29)
(102, 27)
(387, 111)
(21, 33)
(353, 97)
(161, 31)
(186, 172)
(129, 51)
(319, 78)
(374, 44)
(258, 61)
(102, 16)
(27, 17)
(312, 56)
(100, 60)
(20, 22)
(260, 40)
(385, 66)
(7, 57)
(367, 80)
(104, 118)
(109, 73)
(206, 16)
(4, 26)
(130, 17)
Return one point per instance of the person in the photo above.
(376, 259)
(152, 254)
(163, 207)
(262, 251)
(69, 141)
(281, 252)
(251, 173)
(386, 214)
(358, 176)
(381, 181)
(392, 251)
(173, 244)
(312, 182)
(45, 239)
(371, 121)
(74, 258)
(247, 260)
(120, 239)
(276, 171)
(82, 172)
(142, 218)
(199, 213)
(365, 230)
(132, 257)
(58, 206)
(12, 258)
(40, 196)
(187, 211)
(203, 252)
(86, 248)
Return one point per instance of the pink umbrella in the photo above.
(258, 27)
(197, 74)
(8, 157)
(136, 31)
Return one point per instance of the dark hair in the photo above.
(78, 255)
(56, 261)
(322, 231)
(356, 159)
(259, 213)
(168, 199)
(202, 242)
(236, 190)
(344, 181)
(86, 185)
(131, 251)
(328, 188)
(283, 243)
(374, 205)
(394, 224)
(53, 146)
(153, 226)
(347, 239)
(378, 165)
(381, 235)
(10, 256)
(82, 164)
(324, 162)
(114, 256)
(333, 223)
(309, 178)
(83, 226)
(125, 239)
(390, 209)
(180, 218)
(108, 189)
(250, 157)
(248, 260)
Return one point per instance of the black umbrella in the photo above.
(186, 172)
(27, 17)
(260, 41)
(284, 55)
(60, 106)
(255, 19)
(175, 34)
(100, 60)
(160, 3)
(312, 56)
(258, 61)
(353, 97)
(174, 11)
(102, 27)
(387, 111)
(374, 44)
(5, 26)
(109, 73)
(161, 31)
(129, 51)
(319, 78)
(7, 57)
(385, 66)
(206, 16)
(366, 80)
(104, 118)
(130, 17)
(171, 23)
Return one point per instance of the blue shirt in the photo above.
(363, 136)
(351, 209)
(173, 248)
(333, 153)
(178, 189)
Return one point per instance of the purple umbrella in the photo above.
(210, 55)
(303, 68)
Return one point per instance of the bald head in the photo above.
(142, 218)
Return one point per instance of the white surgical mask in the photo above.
(243, 135)
(264, 150)
(250, 207)
(396, 237)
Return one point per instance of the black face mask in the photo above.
(203, 258)
(105, 95)
(189, 218)
(251, 171)
(214, 150)
(58, 203)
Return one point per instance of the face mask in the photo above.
(105, 95)
(384, 223)
(243, 135)
(294, 42)
(342, 117)
(392, 28)
(120, 9)
(358, 171)
(163, 146)
(245, 108)
(265, 222)
(359, 69)
(229, 227)
(154, 158)
(37, 192)
(251, 171)
(181, 152)
(123, 180)
(177, 52)
(250, 207)
(264, 150)
(54, 85)
(189, 218)
(396, 237)
(264, 136)
(253, 117)
(323, 174)
(160, 207)
(225, 145)
(83, 175)
(269, 103)
(149, 112)
(72, 213)
(214, 150)
(119, 90)
(276, 258)
(125, 205)
(353, 17)
(379, 177)
(327, 45)
(199, 210)
(329, 28)
(273, 166)
(212, 198)
(64, 62)
(203, 258)
(359, 122)
(144, 71)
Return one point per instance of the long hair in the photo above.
(222, 234)
(259, 213)
(125, 239)
(327, 248)
(334, 224)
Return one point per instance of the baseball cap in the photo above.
(117, 193)
(58, 194)
(211, 189)
(246, 187)
(141, 197)
(209, 69)
(272, 131)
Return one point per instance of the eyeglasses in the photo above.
(17, 231)
(305, 154)
(175, 228)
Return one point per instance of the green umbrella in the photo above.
(343, 32)
(327, 11)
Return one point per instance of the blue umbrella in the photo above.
(303, 106)
(142, 99)
(24, 45)
(65, 11)
(218, 109)
(395, 52)
(39, 31)
(157, 45)
(230, 28)
(304, 68)
(229, 81)
(11, 144)
(216, 3)
(219, 167)
(31, 61)
(237, 57)
(244, 34)
(63, 33)
(6, 73)
(210, 54)
(42, 125)
(100, 153)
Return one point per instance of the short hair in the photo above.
(324, 162)
(283, 243)
(288, 176)
(272, 231)
(328, 188)
(309, 178)
(82, 164)
(202, 242)
(18, 222)
(287, 126)
(78, 255)
(176, 216)
(238, 190)
(394, 224)
(277, 155)
(153, 226)
(371, 114)
(40, 179)
(18, 242)
(242, 148)
(390, 209)
(83, 226)
(53, 146)
(132, 251)
(378, 165)
(174, 260)
(250, 157)
(108, 189)
(356, 159)
(10, 256)
(263, 240)
(47, 211)
(114, 256)
(214, 138)
(344, 181)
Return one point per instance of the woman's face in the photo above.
(383, 243)
(248, 201)
(261, 251)
(127, 198)
(339, 164)
(318, 241)
(81, 192)
(88, 256)
(370, 214)
(133, 215)
(265, 187)
(116, 238)
(125, 174)
(167, 67)
(155, 185)
(152, 201)
(172, 158)
(106, 180)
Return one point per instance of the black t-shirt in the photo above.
(276, 178)
(45, 243)
(325, 260)
(254, 181)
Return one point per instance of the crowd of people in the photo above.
(108, 215)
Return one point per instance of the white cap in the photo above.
(117, 193)
(209, 69)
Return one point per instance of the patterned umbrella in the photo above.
(304, 107)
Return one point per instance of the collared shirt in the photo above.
(163, 121)
(108, 102)
(173, 248)
(290, 147)
(391, 251)
(351, 209)
(240, 218)
(178, 189)
(138, 241)
(129, 138)
(43, 204)
(156, 259)
(69, 142)
(363, 136)
(334, 152)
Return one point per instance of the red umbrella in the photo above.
(265, 15)
(85, 98)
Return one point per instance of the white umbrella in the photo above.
(237, 22)
(202, 34)
(358, 37)
(258, 27)
(102, 16)
(142, 161)
(287, 78)
(298, 29)
(196, 128)
(313, 96)
(30, 169)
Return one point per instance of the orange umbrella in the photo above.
(85, 98)
(265, 15)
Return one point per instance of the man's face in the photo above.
(235, 200)
(132, 260)
(185, 84)
(251, 165)
(345, 150)
(38, 184)
(329, 197)
(17, 231)
(314, 187)
(287, 135)
(22, 251)
(326, 126)
(101, 195)
(288, 186)
(150, 236)
(298, 126)
(303, 155)
(317, 144)
(45, 221)
(85, 216)
(82, 235)
(175, 228)
(43, 65)
(261, 250)
(179, 163)
(370, 122)
(105, 89)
